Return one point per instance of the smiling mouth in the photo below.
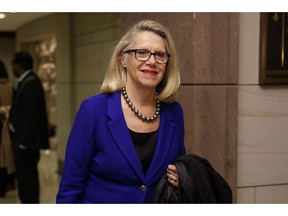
(150, 73)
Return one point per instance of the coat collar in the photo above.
(120, 132)
(23, 79)
(24, 75)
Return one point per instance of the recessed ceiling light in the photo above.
(2, 15)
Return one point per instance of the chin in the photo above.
(150, 85)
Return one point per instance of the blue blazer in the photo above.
(101, 163)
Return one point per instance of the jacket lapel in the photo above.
(19, 88)
(166, 132)
(22, 83)
(121, 135)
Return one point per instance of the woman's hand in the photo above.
(172, 175)
(4, 111)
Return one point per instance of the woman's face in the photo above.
(144, 73)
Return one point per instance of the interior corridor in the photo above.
(49, 180)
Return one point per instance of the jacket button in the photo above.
(143, 188)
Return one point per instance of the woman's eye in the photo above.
(161, 55)
(142, 52)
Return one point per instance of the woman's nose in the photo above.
(151, 59)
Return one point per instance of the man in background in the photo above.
(28, 126)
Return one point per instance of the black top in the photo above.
(145, 144)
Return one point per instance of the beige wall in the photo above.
(94, 35)
(262, 126)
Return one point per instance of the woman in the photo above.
(7, 166)
(124, 139)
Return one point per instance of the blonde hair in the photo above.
(115, 77)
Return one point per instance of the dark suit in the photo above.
(101, 164)
(29, 118)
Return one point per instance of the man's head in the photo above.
(21, 62)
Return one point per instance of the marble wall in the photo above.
(262, 126)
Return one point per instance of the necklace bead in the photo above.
(136, 111)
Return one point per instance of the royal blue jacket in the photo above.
(101, 163)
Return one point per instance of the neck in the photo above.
(141, 96)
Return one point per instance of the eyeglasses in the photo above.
(144, 55)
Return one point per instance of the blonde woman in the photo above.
(124, 139)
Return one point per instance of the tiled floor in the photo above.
(49, 180)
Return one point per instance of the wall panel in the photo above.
(211, 126)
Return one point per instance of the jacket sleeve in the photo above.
(31, 113)
(79, 154)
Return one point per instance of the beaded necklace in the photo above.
(136, 111)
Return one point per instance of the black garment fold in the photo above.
(199, 183)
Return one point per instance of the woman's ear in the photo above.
(123, 60)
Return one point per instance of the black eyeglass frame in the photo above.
(151, 53)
